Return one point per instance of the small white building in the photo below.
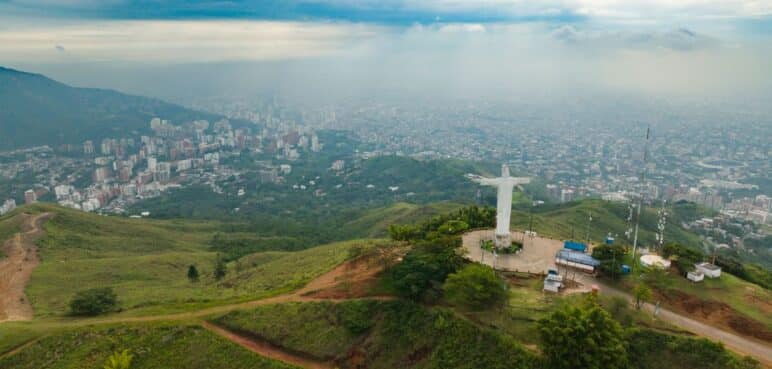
(695, 276)
(709, 270)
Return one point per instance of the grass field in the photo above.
(376, 334)
(570, 221)
(376, 222)
(746, 298)
(153, 346)
(158, 283)
(146, 263)
(528, 303)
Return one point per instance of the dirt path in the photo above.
(266, 349)
(329, 280)
(16, 268)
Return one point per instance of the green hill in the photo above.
(373, 334)
(40, 111)
(566, 221)
(152, 346)
(146, 262)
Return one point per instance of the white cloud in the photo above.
(179, 41)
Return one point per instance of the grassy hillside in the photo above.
(570, 221)
(375, 223)
(153, 346)
(373, 334)
(397, 334)
(146, 262)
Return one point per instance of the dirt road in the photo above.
(16, 268)
(739, 344)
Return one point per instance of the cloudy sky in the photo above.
(672, 47)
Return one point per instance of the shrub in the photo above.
(119, 360)
(356, 316)
(476, 287)
(193, 273)
(420, 274)
(610, 257)
(452, 227)
(93, 302)
(683, 257)
(582, 337)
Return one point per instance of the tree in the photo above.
(404, 232)
(452, 227)
(193, 273)
(610, 257)
(683, 257)
(220, 268)
(119, 360)
(476, 287)
(583, 336)
(93, 302)
(420, 274)
(642, 293)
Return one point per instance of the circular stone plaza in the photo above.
(536, 257)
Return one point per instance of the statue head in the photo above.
(504, 170)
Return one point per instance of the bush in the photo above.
(655, 350)
(582, 337)
(683, 257)
(356, 316)
(453, 223)
(610, 257)
(452, 227)
(93, 302)
(119, 360)
(423, 270)
(476, 287)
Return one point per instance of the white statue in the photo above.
(505, 185)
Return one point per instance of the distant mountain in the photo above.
(36, 110)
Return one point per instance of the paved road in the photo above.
(759, 351)
(539, 254)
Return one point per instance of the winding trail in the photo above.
(16, 268)
(265, 349)
(22, 259)
(348, 271)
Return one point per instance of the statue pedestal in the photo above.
(503, 240)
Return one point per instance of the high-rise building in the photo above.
(315, 145)
(30, 197)
(566, 195)
(88, 147)
(152, 164)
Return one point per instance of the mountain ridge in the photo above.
(37, 110)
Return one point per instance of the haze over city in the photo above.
(364, 184)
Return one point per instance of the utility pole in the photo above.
(613, 262)
(589, 221)
(640, 198)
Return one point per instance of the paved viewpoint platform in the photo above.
(537, 257)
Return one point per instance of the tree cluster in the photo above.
(447, 224)
(420, 275)
(476, 287)
(94, 301)
(584, 336)
(610, 257)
